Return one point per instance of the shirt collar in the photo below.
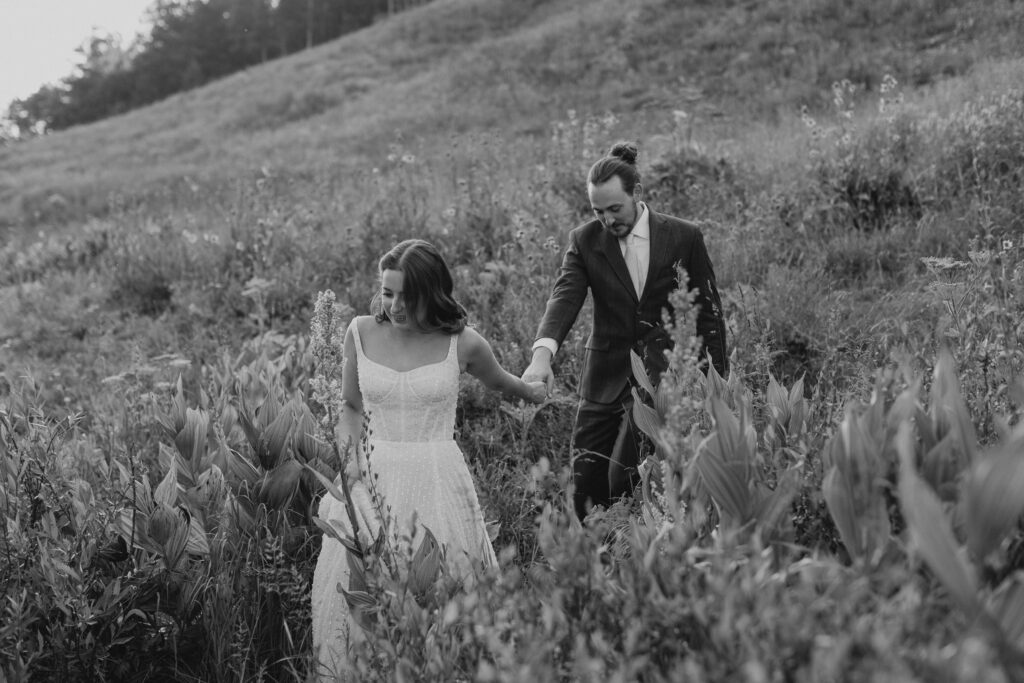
(642, 229)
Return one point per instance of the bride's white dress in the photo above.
(418, 469)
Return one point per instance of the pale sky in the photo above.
(38, 38)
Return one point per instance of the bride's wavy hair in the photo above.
(427, 287)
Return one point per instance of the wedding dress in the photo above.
(419, 471)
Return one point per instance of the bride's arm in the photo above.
(480, 362)
(349, 429)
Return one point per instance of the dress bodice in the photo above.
(410, 405)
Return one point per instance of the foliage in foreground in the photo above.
(808, 518)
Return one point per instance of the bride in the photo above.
(401, 370)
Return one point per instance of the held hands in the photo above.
(539, 370)
(537, 392)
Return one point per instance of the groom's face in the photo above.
(613, 206)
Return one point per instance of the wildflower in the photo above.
(935, 263)
(449, 212)
(807, 118)
(980, 257)
(327, 339)
(256, 286)
(190, 236)
(1007, 245)
(408, 159)
(888, 84)
(392, 157)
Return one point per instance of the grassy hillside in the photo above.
(511, 68)
(845, 506)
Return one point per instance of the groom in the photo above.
(626, 256)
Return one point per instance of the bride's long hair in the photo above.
(427, 287)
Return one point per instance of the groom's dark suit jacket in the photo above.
(594, 261)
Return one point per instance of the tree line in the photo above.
(191, 42)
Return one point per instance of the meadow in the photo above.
(844, 506)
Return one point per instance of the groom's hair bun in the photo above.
(625, 151)
(620, 161)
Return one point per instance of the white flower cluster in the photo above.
(327, 344)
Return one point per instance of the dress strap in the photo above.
(453, 350)
(356, 339)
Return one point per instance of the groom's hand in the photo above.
(539, 369)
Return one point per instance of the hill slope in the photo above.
(456, 66)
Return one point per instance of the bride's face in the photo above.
(393, 300)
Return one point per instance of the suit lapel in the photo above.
(659, 248)
(613, 253)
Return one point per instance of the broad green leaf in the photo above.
(248, 420)
(359, 600)
(327, 483)
(773, 505)
(274, 440)
(839, 500)
(714, 385)
(941, 467)
(279, 484)
(241, 473)
(356, 572)
(647, 419)
(930, 529)
(426, 564)
(948, 407)
(228, 417)
(306, 436)
(735, 437)
(640, 372)
(728, 487)
(197, 543)
(1006, 604)
(778, 402)
(336, 529)
(267, 413)
(167, 490)
(797, 408)
(191, 441)
(993, 499)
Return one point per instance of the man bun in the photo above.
(620, 161)
(624, 150)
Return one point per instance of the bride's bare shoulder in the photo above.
(365, 324)
(471, 343)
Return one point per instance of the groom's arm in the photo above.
(567, 295)
(564, 304)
